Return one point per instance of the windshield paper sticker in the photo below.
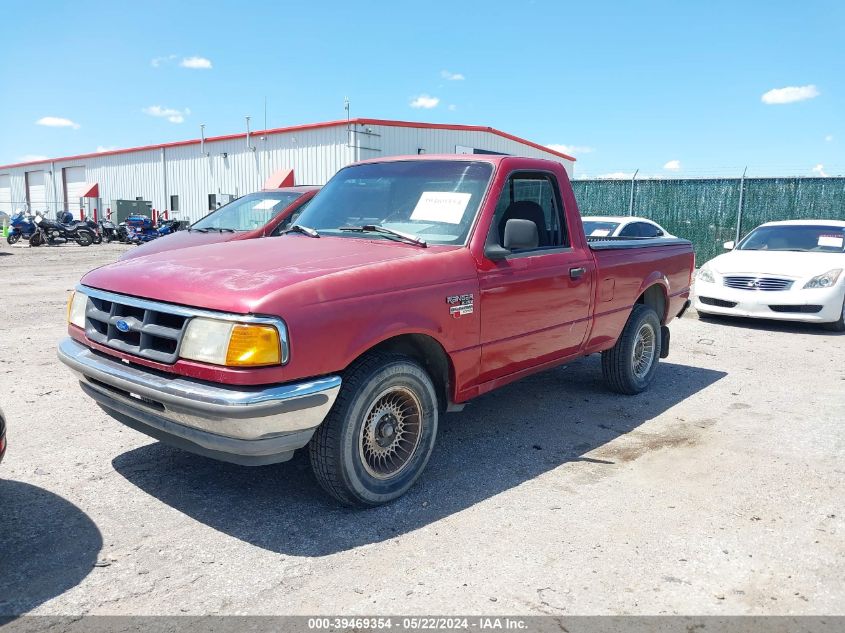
(600, 233)
(834, 241)
(441, 206)
(265, 204)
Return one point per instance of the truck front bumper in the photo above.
(244, 425)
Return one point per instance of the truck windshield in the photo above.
(797, 237)
(435, 200)
(249, 212)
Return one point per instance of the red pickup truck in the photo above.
(406, 288)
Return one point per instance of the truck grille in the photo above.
(150, 333)
(758, 283)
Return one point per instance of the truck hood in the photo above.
(245, 276)
(781, 263)
(180, 239)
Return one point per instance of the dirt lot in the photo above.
(719, 491)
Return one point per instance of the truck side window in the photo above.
(535, 197)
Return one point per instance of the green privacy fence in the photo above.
(707, 211)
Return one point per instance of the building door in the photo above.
(73, 183)
(6, 193)
(36, 191)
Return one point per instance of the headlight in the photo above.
(824, 281)
(76, 304)
(706, 274)
(233, 344)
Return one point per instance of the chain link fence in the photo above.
(711, 211)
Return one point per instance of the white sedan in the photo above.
(791, 271)
(622, 226)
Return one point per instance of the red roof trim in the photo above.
(299, 128)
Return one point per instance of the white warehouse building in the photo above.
(188, 178)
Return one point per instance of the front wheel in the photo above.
(13, 238)
(629, 366)
(37, 239)
(378, 436)
(838, 326)
(84, 238)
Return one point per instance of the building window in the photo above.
(174, 203)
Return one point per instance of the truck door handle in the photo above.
(577, 273)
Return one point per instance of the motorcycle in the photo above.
(139, 229)
(66, 218)
(108, 231)
(52, 232)
(143, 229)
(21, 227)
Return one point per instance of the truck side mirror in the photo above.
(729, 246)
(521, 234)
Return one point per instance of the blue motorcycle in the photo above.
(140, 228)
(21, 226)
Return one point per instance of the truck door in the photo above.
(535, 303)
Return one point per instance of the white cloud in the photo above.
(618, 175)
(105, 148)
(449, 76)
(195, 62)
(31, 158)
(158, 61)
(425, 102)
(57, 121)
(819, 170)
(571, 150)
(171, 114)
(790, 94)
(828, 138)
(672, 165)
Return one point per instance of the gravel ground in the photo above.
(719, 491)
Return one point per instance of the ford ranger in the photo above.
(406, 288)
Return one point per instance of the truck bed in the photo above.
(598, 243)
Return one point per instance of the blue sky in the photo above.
(669, 88)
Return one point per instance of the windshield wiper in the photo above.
(377, 228)
(298, 228)
(197, 230)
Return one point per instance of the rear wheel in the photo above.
(838, 326)
(98, 239)
(629, 366)
(377, 438)
(84, 238)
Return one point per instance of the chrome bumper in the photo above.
(245, 425)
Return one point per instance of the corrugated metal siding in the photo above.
(314, 155)
(408, 140)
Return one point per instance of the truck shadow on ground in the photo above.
(770, 325)
(498, 442)
(47, 546)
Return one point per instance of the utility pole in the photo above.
(739, 209)
(631, 200)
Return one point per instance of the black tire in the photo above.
(339, 448)
(37, 239)
(84, 238)
(98, 239)
(12, 238)
(837, 326)
(624, 373)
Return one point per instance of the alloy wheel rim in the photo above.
(643, 354)
(391, 432)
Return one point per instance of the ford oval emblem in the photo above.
(122, 325)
